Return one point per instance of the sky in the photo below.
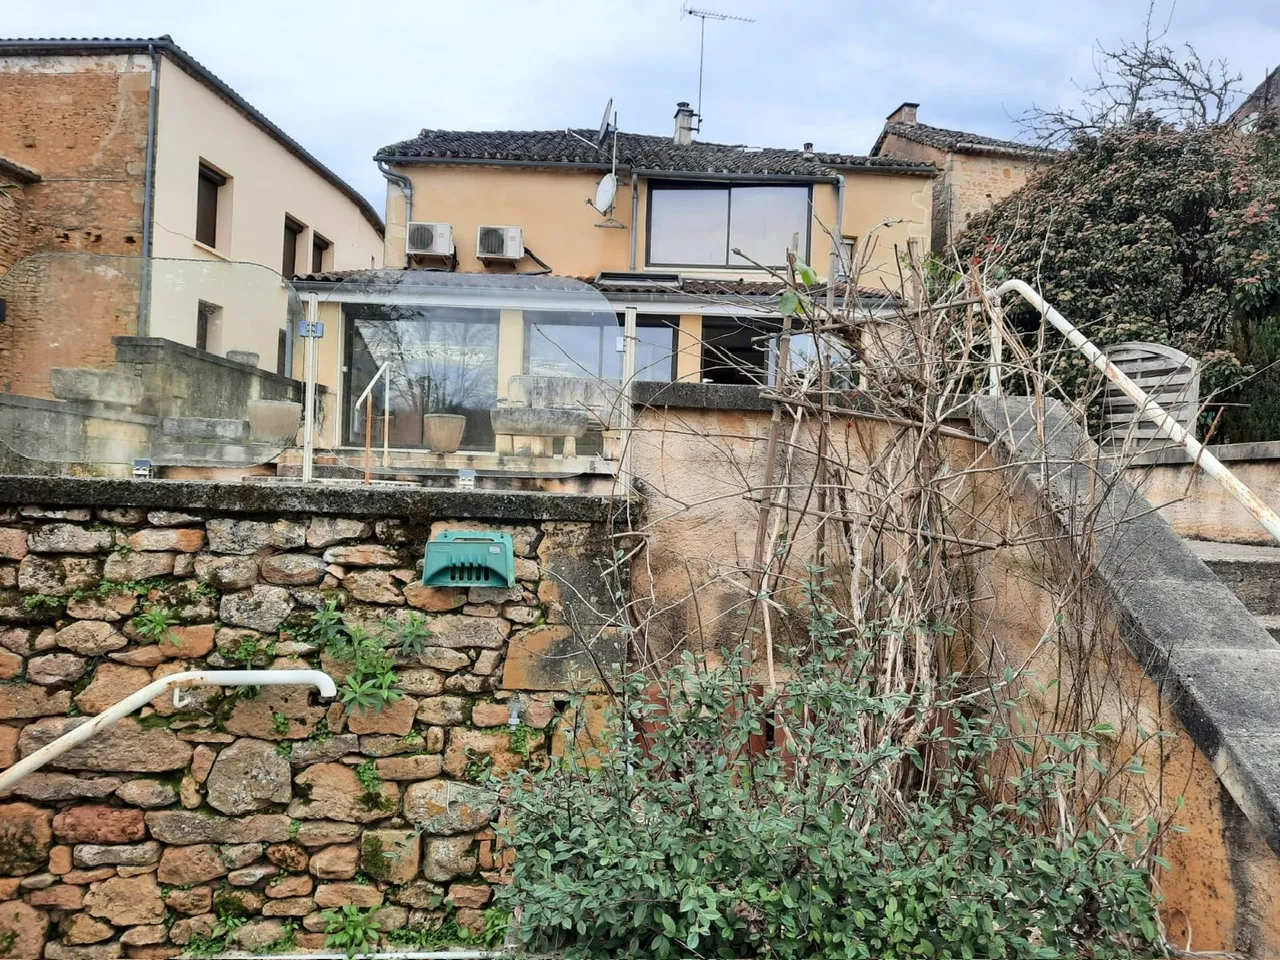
(344, 77)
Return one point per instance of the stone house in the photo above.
(1263, 102)
(132, 149)
(691, 236)
(975, 170)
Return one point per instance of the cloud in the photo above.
(344, 78)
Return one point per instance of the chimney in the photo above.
(808, 149)
(684, 124)
(904, 114)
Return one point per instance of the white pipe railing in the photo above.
(383, 374)
(176, 681)
(1167, 427)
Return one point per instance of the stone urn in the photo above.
(442, 432)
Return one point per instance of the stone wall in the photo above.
(12, 203)
(270, 805)
(81, 123)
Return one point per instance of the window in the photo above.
(319, 249)
(282, 347)
(590, 345)
(848, 256)
(208, 326)
(736, 350)
(292, 231)
(443, 360)
(699, 226)
(209, 186)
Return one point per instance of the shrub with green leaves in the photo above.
(1159, 234)
(828, 818)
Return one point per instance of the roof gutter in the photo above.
(485, 162)
(148, 193)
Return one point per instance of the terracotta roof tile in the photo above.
(635, 150)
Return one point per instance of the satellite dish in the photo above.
(603, 135)
(605, 193)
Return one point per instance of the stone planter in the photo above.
(442, 432)
(530, 430)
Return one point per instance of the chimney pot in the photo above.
(808, 148)
(684, 124)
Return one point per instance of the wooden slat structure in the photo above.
(1170, 377)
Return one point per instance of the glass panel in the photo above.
(803, 366)
(560, 345)
(765, 220)
(689, 226)
(735, 351)
(655, 352)
(442, 360)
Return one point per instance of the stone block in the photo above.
(274, 420)
(96, 386)
(205, 428)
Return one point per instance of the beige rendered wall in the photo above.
(267, 181)
(1199, 507)
(695, 466)
(550, 207)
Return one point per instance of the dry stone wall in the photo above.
(267, 807)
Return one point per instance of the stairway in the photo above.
(1251, 573)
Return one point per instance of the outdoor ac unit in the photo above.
(429, 239)
(499, 243)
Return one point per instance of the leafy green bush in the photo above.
(830, 819)
(1152, 233)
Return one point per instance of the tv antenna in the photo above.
(704, 15)
(607, 188)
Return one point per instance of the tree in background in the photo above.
(1139, 81)
(1162, 234)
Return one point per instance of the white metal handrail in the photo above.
(1166, 426)
(384, 375)
(176, 681)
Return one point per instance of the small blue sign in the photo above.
(311, 328)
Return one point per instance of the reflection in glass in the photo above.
(766, 221)
(689, 227)
(576, 344)
(443, 360)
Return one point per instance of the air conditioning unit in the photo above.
(429, 239)
(499, 243)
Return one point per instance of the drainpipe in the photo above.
(148, 196)
(837, 255)
(406, 187)
(635, 215)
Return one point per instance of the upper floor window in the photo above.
(292, 231)
(209, 186)
(319, 253)
(695, 225)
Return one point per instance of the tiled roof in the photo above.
(11, 172)
(954, 140)
(39, 46)
(638, 151)
(1265, 99)
(727, 287)
(683, 287)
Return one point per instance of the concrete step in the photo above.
(1252, 573)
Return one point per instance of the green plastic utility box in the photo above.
(466, 558)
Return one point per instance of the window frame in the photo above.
(207, 173)
(324, 244)
(646, 321)
(729, 186)
(298, 232)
